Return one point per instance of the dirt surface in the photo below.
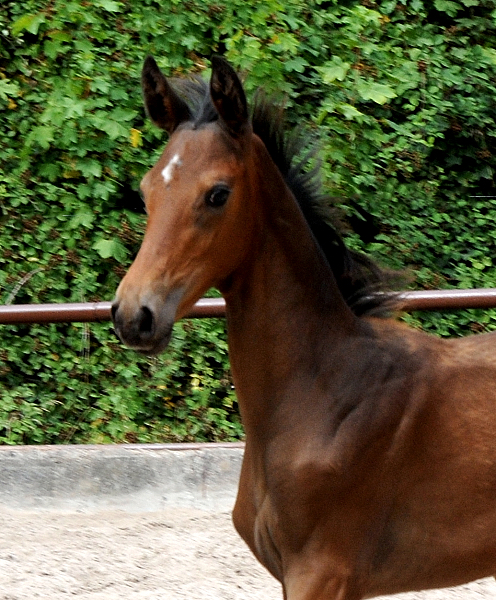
(171, 555)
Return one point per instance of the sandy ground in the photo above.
(171, 555)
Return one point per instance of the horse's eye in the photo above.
(217, 196)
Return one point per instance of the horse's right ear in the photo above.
(165, 108)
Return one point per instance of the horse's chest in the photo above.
(275, 512)
(256, 522)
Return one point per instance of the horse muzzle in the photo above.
(146, 325)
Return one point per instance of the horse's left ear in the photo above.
(228, 96)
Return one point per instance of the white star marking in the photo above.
(168, 171)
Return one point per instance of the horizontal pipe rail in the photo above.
(448, 299)
(85, 312)
(215, 307)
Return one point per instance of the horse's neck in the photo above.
(284, 308)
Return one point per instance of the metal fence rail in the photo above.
(215, 307)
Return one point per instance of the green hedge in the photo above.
(402, 93)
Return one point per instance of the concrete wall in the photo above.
(136, 478)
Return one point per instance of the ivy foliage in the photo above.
(402, 94)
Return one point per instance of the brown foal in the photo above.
(370, 461)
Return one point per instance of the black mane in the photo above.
(360, 280)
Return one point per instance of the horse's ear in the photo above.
(165, 108)
(228, 96)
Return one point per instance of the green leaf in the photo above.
(8, 88)
(30, 23)
(297, 64)
(349, 112)
(89, 167)
(43, 135)
(108, 5)
(121, 114)
(377, 92)
(114, 129)
(111, 248)
(82, 218)
(334, 70)
(50, 170)
(490, 53)
(447, 6)
(52, 48)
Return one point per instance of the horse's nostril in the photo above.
(146, 322)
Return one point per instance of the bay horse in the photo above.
(370, 460)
